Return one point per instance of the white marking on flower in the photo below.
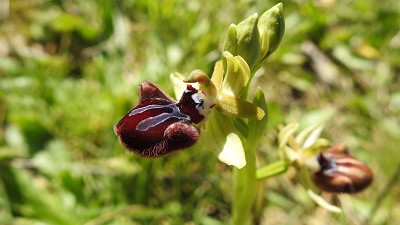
(208, 103)
(154, 121)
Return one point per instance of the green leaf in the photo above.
(40, 203)
(66, 22)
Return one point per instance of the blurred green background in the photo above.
(69, 70)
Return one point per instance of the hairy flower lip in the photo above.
(158, 125)
(340, 172)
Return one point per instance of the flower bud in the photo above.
(244, 40)
(230, 42)
(340, 172)
(248, 40)
(271, 27)
(256, 37)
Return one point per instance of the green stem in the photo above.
(258, 202)
(245, 180)
(244, 191)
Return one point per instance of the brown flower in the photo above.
(340, 172)
(159, 125)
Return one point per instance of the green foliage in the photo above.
(70, 69)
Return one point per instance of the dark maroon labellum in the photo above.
(340, 172)
(190, 104)
(159, 125)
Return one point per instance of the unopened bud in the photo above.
(244, 40)
(271, 26)
(340, 172)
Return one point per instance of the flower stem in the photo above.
(245, 180)
(244, 190)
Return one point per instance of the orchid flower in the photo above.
(332, 169)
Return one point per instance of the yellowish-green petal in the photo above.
(237, 75)
(218, 74)
(236, 107)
